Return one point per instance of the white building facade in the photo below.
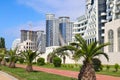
(15, 44)
(112, 35)
(79, 26)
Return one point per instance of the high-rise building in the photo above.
(79, 26)
(65, 29)
(51, 30)
(96, 16)
(96, 19)
(113, 10)
(58, 31)
(28, 35)
(41, 40)
(34, 40)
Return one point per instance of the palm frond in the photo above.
(101, 53)
(64, 48)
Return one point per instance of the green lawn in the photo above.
(111, 72)
(21, 74)
(74, 67)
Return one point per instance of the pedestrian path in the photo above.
(67, 73)
(5, 76)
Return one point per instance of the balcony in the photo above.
(117, 11)
(103, 14)
(103, 35)
(102, 27)
(103, 21)
(118, 2)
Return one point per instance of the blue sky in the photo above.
(18, 14)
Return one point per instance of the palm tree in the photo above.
(12, 57)
(63, 54)
(2, 56)
(50, 57)
(75, 58)
(88, 52)
(29, 56)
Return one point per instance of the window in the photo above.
(118, 32)
(110, 39)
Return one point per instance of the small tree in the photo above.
(40, 61)
(21, 60)
(57, 61)
(96, 64)
(2, 55)
(63, 55)
(50, 57)
(107, 67)
(29, 56)
(116, 66)
(12, 57)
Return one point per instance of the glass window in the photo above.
(110, 39)
(118, 32)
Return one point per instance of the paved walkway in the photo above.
(67, 73)
(5, 76)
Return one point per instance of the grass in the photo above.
(21, 74)
(73, 67)
(110, 72)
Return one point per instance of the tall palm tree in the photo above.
(12, 57)
(88, 52)
(29, 56)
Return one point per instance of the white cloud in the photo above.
(71, 8)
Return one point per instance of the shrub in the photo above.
(21, 60)
(97, 64)
(40, 61)
(101, 67)
(57, 62)
(7, 59)
(33, 62)
(116, 66)
(107, 67)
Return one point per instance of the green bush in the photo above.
(101, 67)
(116, 66)
(96, 64)
(7, 59)
(107, 67)
(57, 62)
(40, 61)
(0, 59)
(21, 60)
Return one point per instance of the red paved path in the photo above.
(67, 73)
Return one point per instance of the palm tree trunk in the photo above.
(3, 62)
(9, 64)
(29, 68)
(87, 72)
(12, 65)
(64, 59)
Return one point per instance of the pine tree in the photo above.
(2, 42)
